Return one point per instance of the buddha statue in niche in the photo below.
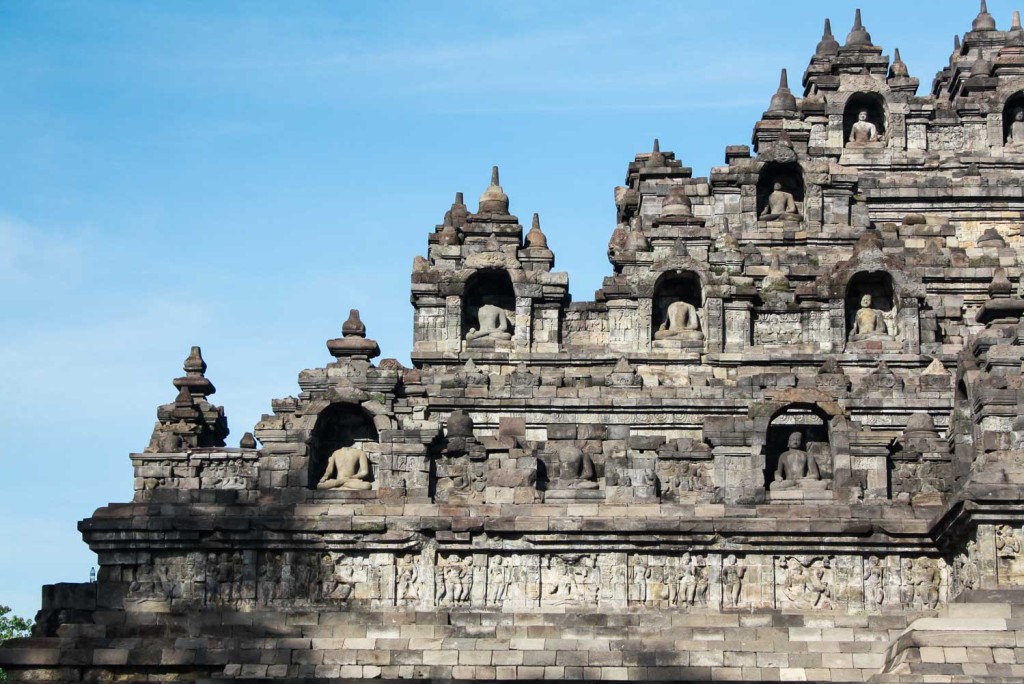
(347, 468)
(682, 322)
(781, 206)
(869, 323)
(863, 131)
(797, 468)
(576, 469)
(494, 325)
(1016, 135)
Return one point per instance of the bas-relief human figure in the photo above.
(869, 323)
(732, 580)
(682, 321)
(863, 131)
(796, 467)
(407, 587)
(1008, 543)
(874, 582)
(498, 580)
(347, 468)
(781, 205)
(1016, 136)
(494, 324)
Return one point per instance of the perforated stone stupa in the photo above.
(784, 442)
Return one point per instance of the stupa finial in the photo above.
(828, 45)
(984, 21)
(494, 200)
(535, 239)
(195, 379)
(859, 35)
(898, 69)
(656, 158)
(783, 100)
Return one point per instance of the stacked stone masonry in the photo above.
(784, 442)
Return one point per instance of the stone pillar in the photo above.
(452, 325)
(910, 325)
(546, 323)
(739, 473)
(737, 327)
(836, 206)
(523, 334)
(837, 323)
(623, 323)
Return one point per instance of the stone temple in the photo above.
(784, 442)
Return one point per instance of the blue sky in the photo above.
(239, 174)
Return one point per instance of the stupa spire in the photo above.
(494, 200)
(828, 45)
(536, 239)
(984, 21)
(783, 100)
(656, 158)
(898, 68)
(195, 379)
(859, 36)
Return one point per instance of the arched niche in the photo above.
(879, 286)
(789, 175)
(673, 287)
(1014, 107)
(811, 422)
(872, 104)
(339, 425)
(488, 286)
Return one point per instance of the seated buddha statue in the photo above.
(576, 469)
(781, 206)
(863, 131)
(1016, 135)
(797, 468)
(347, 468)
(869, 323)
(682, 322)
(494, 324)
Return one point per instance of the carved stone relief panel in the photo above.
(410, 585)
(772, 328)
(805, 582)
(455, 580)
(306, 577)
(513, 581)
(570, 580)
(922, 582)
(1009, 544)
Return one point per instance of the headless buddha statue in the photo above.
(494, 324)
(576, 469)
(682, 322)
(347, 468)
